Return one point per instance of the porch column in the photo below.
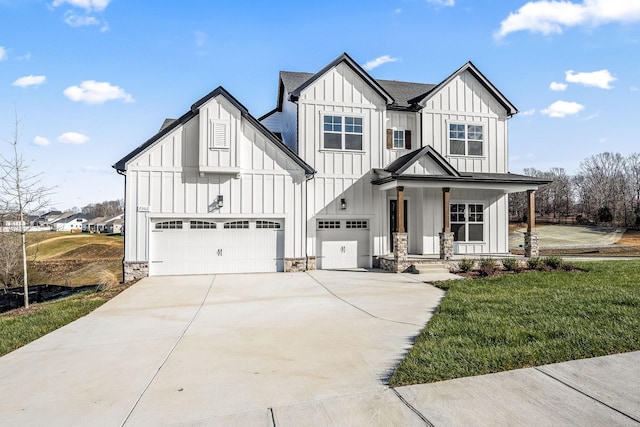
(531, 249)
(400, 244)
(446, 237)
(400, 213)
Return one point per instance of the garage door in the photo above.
(343, 243)
(196, 246)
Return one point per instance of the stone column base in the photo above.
(135, 270)
(531, 248)
(446, 245)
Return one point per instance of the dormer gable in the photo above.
(424, 161)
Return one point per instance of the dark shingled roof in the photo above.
(405, 94)
(402, 163)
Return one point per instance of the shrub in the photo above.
(534, 263)
(488, 266)
(511, 264)
(107, 280)
(554, 262)
(465, 265)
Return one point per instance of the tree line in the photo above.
(605, 190)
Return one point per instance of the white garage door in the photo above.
(215, 246)
(343, 244)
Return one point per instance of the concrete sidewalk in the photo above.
(299, 349)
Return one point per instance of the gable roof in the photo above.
(121, 164)
(511, 109)
(404, 95)
(403, 163)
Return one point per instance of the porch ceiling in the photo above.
(509, 183)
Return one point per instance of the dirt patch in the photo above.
(630, 238)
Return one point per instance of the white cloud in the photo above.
(530, 112)
(633, 88)
(552, 16)
(74, 20)
(447, 3)
(397, 11)
(3, 53)
(25, 57)
(93, 92)
(30, 80)
(601, 79)
(558, 87)
(41, 141)
(73, 138)
(562, 109)
(378, 62)
(88, 5)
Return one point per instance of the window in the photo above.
(169, 225)
(236, 224)
(267, 224)
(202, 225)
(324, 225)
(360, 224)
(342, 133)
(398, 139)
(465, 140)
(467, 222)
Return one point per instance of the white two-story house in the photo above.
(347, 171)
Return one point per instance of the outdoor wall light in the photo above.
(343, 204)
(220, 201)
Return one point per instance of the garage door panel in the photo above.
(231, 247)
(343, 244)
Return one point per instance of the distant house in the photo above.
(95, 225)
(114, 224)
(45, 219)
(71, 223)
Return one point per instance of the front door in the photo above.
(393, 212)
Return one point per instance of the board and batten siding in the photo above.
(166, 181)
(401, 120)
(465, 100)
(340, 174)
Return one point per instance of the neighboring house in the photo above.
(45, 219)
(95, 225)
(114, 225)
(347, 171)
(72, 223)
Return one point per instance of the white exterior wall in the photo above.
(340, 174)
(496, 220)
(166, 181)
(290, 123)
(400, 120)
(465, 100)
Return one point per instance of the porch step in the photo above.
(430, 268)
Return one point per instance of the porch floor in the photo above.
(432, 258)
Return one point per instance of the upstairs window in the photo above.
(398, 139)
(342, 133)
(467, 222)
(465, 139)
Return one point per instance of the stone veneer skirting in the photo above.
(299, 264)
(135, 270)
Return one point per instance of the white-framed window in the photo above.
(202, 225)
(398, 138)
(169, 225)
(219, 134)
(328, 224)
(342, 133)
(466, 139)
(235, 225)
(467, 222)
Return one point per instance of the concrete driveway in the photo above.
(251, 349)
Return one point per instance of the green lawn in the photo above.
(529, 319)
(17, 331)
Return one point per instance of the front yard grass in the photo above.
(528, 319)
(18, 330)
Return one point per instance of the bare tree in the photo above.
(21, 195)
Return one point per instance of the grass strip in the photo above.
(529, 319)
(16, 331)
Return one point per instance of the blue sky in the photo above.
(90, 80)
